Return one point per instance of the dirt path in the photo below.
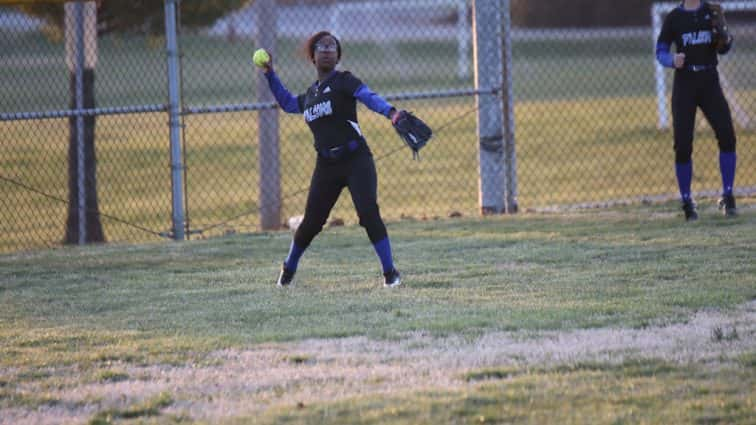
(242, 382)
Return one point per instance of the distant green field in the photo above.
(585, 130)
(131, 69)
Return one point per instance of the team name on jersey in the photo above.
(697, 37)
(318, 110)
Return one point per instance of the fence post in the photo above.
(83, 223)
(487, 52)
(269, 198)
(174, 120)
(661, 84)
(510, 153)
(79, 96)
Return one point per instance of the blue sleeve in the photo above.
(664, 56)
(373, 101)
(286, 100)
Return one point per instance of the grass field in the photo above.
(624, 315)
(585, 132)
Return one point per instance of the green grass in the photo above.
(174, 281)
(606, 396)
(98, 317)
(147, 408)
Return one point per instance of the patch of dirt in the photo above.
(245, 382)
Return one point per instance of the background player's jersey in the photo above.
(691, 32)
(330, 109)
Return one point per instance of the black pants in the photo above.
(690, 91)
(356, 170)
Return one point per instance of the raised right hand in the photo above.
(268, 66)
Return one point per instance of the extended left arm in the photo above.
(722, 37)
(373, 101)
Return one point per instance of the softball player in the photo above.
(343, 156)
(696, 84)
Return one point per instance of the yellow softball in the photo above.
(261, 58)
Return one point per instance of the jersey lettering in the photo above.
(318, 110)
(327, 107)
(696, 38)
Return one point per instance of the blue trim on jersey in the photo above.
(664, 56)
(373, 101)
(286, 100)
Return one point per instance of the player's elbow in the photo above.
(663, 55)
(665, 59)
(291, 109)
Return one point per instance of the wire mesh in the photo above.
(584, 100)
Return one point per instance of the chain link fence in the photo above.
(586, 118)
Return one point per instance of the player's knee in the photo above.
(368, 215)
(727, 145)
(376, 230)
(683, 156)
(307, 231)
(370, 219)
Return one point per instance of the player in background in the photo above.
(343, 156)
(696, 84)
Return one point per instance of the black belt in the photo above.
(699, 68)
(339, 151)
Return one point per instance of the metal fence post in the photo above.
(659, 77)
(79, 71)
(510, 153)
(487, 51)
(174, 120)
(269, 197)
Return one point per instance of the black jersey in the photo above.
(691, 32)
(330, 109)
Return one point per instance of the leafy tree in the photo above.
(145, 16)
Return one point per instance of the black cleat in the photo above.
(286, 278)
(392, 278)
(727, 205)
(689, 208)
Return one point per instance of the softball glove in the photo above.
(413, 131)
(719, 27)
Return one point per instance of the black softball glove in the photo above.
(719, 27)
(412, 130)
